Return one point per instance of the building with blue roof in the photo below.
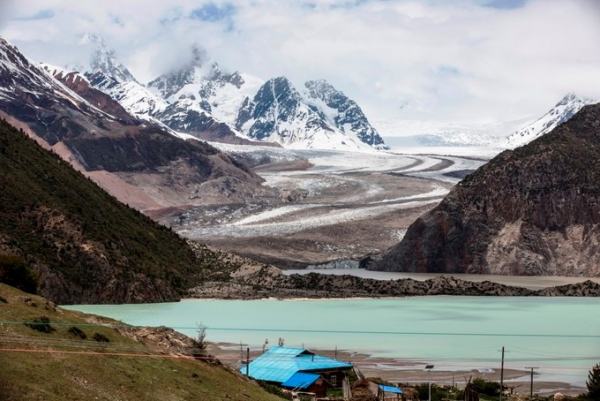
(384, 390)
(298, 369)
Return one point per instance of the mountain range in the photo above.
(201, 99)
(140, 161)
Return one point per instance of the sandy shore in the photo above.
(409, 372)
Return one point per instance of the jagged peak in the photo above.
(281, 83)
(573, 97)
(199, 56)
(319, 85)
(104, 60)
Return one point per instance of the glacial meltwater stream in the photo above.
(560, 335)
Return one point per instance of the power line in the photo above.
(98, 353)
(330, 331)
(109, 351)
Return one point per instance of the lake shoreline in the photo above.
(258, 282)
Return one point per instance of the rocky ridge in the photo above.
(531, 211)
(264, 281)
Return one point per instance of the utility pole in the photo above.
(248, 362)
(502, 375)
(241, 354)
(428, 368)
(531, 383)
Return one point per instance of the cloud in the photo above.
(458, 61)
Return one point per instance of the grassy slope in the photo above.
(50, 377)
(90, 245)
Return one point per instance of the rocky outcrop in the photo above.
(531, 211)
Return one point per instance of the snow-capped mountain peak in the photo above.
(196, 69)
(346, 114)
(108, 74)
(105, 71)
(280, 113)
(566, 108)
(203, 86)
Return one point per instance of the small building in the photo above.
(386, 392)
(298, 369)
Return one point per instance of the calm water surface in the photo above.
(562, 335)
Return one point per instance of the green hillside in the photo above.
(57, 376)
(80, 244)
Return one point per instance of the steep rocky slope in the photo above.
(531, 211)
(79, 244)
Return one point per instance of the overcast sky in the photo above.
(439, 61)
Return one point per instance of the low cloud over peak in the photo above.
(436, 60)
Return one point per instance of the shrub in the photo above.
(14, 272)
(593, 383)
(77, 332)
(101, 338)
(485, 387)
(41, 324)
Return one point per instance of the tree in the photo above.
(201, 337)
(199, 342)
(593, 383)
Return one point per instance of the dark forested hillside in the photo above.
(80, 243)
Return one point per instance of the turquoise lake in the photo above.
(561, 335)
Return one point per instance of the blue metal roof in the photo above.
(278, 364)
(301, 380)
(390, 389)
